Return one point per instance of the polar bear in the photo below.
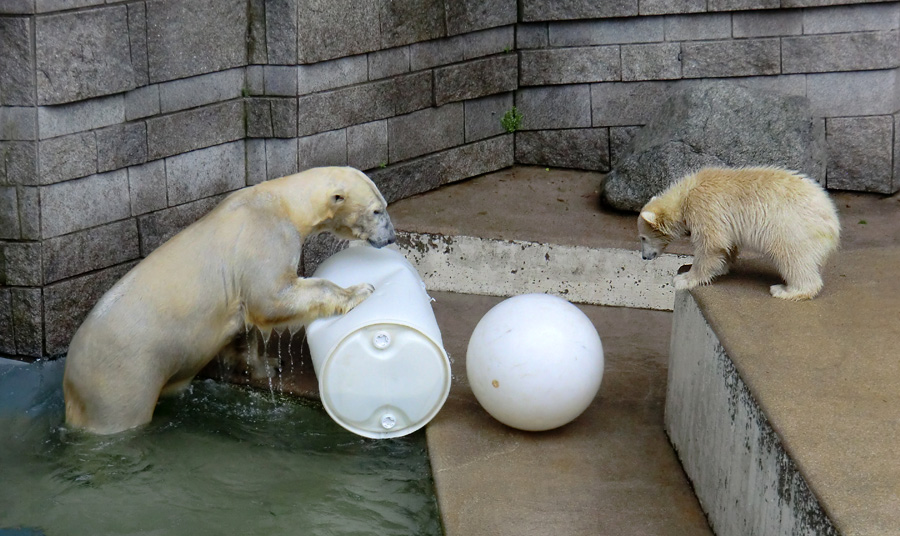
(236, 267)
(781, 214)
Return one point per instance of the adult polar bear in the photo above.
(153, 331)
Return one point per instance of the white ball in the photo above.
(535, 362)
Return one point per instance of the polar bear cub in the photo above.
(780, 214)
(153, 331)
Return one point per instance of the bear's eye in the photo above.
(377, 212)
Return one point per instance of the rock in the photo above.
(717, 125)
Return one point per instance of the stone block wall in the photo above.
(121, 122)
(590, 73)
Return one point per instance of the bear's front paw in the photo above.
(358, 293)
(684, 282)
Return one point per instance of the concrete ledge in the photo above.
(784, 414)
(490, 267)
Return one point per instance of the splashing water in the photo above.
(217, 460)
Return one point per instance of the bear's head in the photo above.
(657, 228)
(356, 209)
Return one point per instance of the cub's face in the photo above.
(653, 242)
(360, 212)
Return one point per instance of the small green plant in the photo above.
(382, 164)
(512, 120)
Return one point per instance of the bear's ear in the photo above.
(649, 217)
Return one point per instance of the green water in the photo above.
(219, 460)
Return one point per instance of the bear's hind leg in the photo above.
(802, 277)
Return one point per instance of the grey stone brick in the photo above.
(19, 163)
(426, 173)
(200, 90)
(740, 5)
(142, 102)
(331, 74)
(49, 6)
(20, 264)
(18, 123)
(79, 204)
(280, 80)
(390, 62)
(83, 54)
(488, 42)
(425, 131)
(81, 116)
(137, 39)
(619, 143)
(337, 28)
(534, 35)
(555, 107)
(860, 153)
(29, 213)
(68, 157)
(411, 21)
(656, 61)
(697, 27)
(367, 145)
(476, 78)
(7, 333)
(205, 173)
(157, 227)
(438, 52)
(89, 250)
(281, 31)
(268, 118)
(9, 213)
(840, 19)
(16, 7)
(254, 81)
(483, 116)
(583, 148)
(543, 10)
(627, 103)
(607, 32)
(256, 161)
(666, 7)
(121, 146)
(194, 129)
(767, 23)
(16, 62)
(573, 65)
(852, 93)
(895, 184)
(411, 92)
(746, 57)
(341, 108)
(67, 303)
(325, 149)
(841, 52)
(466, 16)
(147, 187)
(257, 52)
(281, 158)
(178, 29)
(27, 321)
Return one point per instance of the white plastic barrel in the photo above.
(382, 368)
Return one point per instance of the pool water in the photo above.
(219, 459)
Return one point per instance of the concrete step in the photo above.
(527, 229)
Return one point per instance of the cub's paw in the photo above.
(684, 282)
(783, 292)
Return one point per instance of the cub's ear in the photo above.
(649, 217)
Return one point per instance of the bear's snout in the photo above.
(385, 234)
(649, 256)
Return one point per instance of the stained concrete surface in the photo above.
(826, 374)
